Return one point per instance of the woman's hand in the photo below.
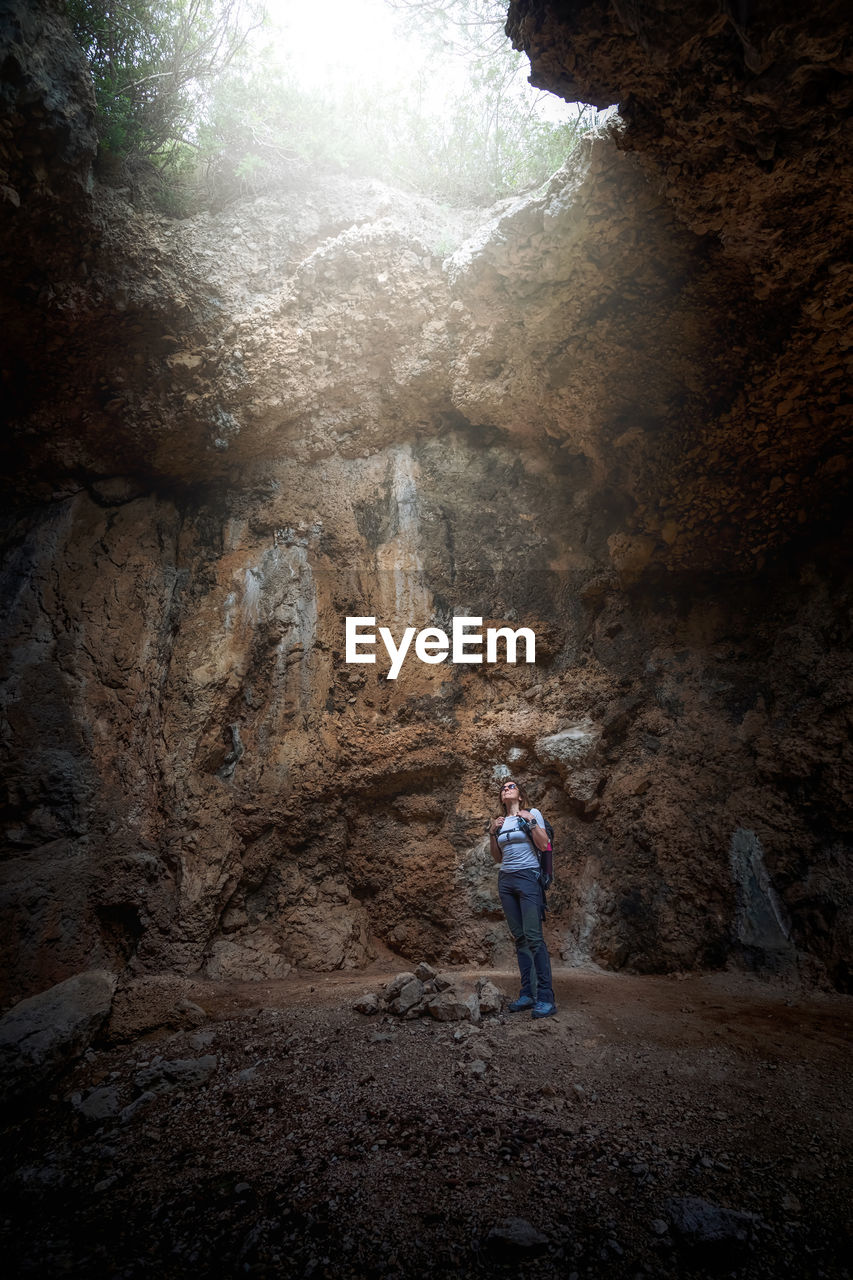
(525, 813)
(497, 823)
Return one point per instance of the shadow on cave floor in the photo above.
(657, 1127)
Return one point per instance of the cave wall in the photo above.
(229, 433)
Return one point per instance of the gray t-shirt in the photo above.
(518, 850)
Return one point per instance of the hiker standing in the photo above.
(514, 839)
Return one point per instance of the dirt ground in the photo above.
(655, 1127)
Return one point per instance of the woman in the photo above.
(513, 840)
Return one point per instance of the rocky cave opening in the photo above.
(614, 410)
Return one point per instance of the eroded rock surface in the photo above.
(597, 415)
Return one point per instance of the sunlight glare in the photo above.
(348, 40)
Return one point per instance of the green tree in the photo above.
(481, 137)
(180, 88)
(151, 61)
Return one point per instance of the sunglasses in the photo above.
(507, 785)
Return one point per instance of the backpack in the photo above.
(545, 856)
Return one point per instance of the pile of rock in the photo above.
(427, 993)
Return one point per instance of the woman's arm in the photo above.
(538, 834)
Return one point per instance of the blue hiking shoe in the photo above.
(542, 1009)
(523, 1002)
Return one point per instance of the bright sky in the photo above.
(356, 39)
(353, 38)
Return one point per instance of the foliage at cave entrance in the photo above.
(150, 62)
(183, 93)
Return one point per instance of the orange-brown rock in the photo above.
(603, 417)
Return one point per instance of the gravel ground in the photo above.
(655, 1127)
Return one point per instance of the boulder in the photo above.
(409, 996)
(367, 1004)
(472, 1004)
(490, 996)
(447, 1006)
(44, 1034)
(396, 985)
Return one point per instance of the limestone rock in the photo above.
(570, 747)
(490, 996)
(472, 1003)
(408, 996)
(367, 1004)
(396, 985)
(447, 1006)
(42, 1035)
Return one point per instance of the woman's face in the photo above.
(509, 792)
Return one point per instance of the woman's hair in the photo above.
(523, 797)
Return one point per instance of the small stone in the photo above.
(491, 997)
(409, 995)
(516, 1236)
(395, 986)
(465, 1033)
(448, 1007)
(100, 1104)
(425, 972)
(478, 1067)
(202, 1039)
(137, 1105)
(180, 1073)
(699, 1222)
(659, 1227)
(366, 1004)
